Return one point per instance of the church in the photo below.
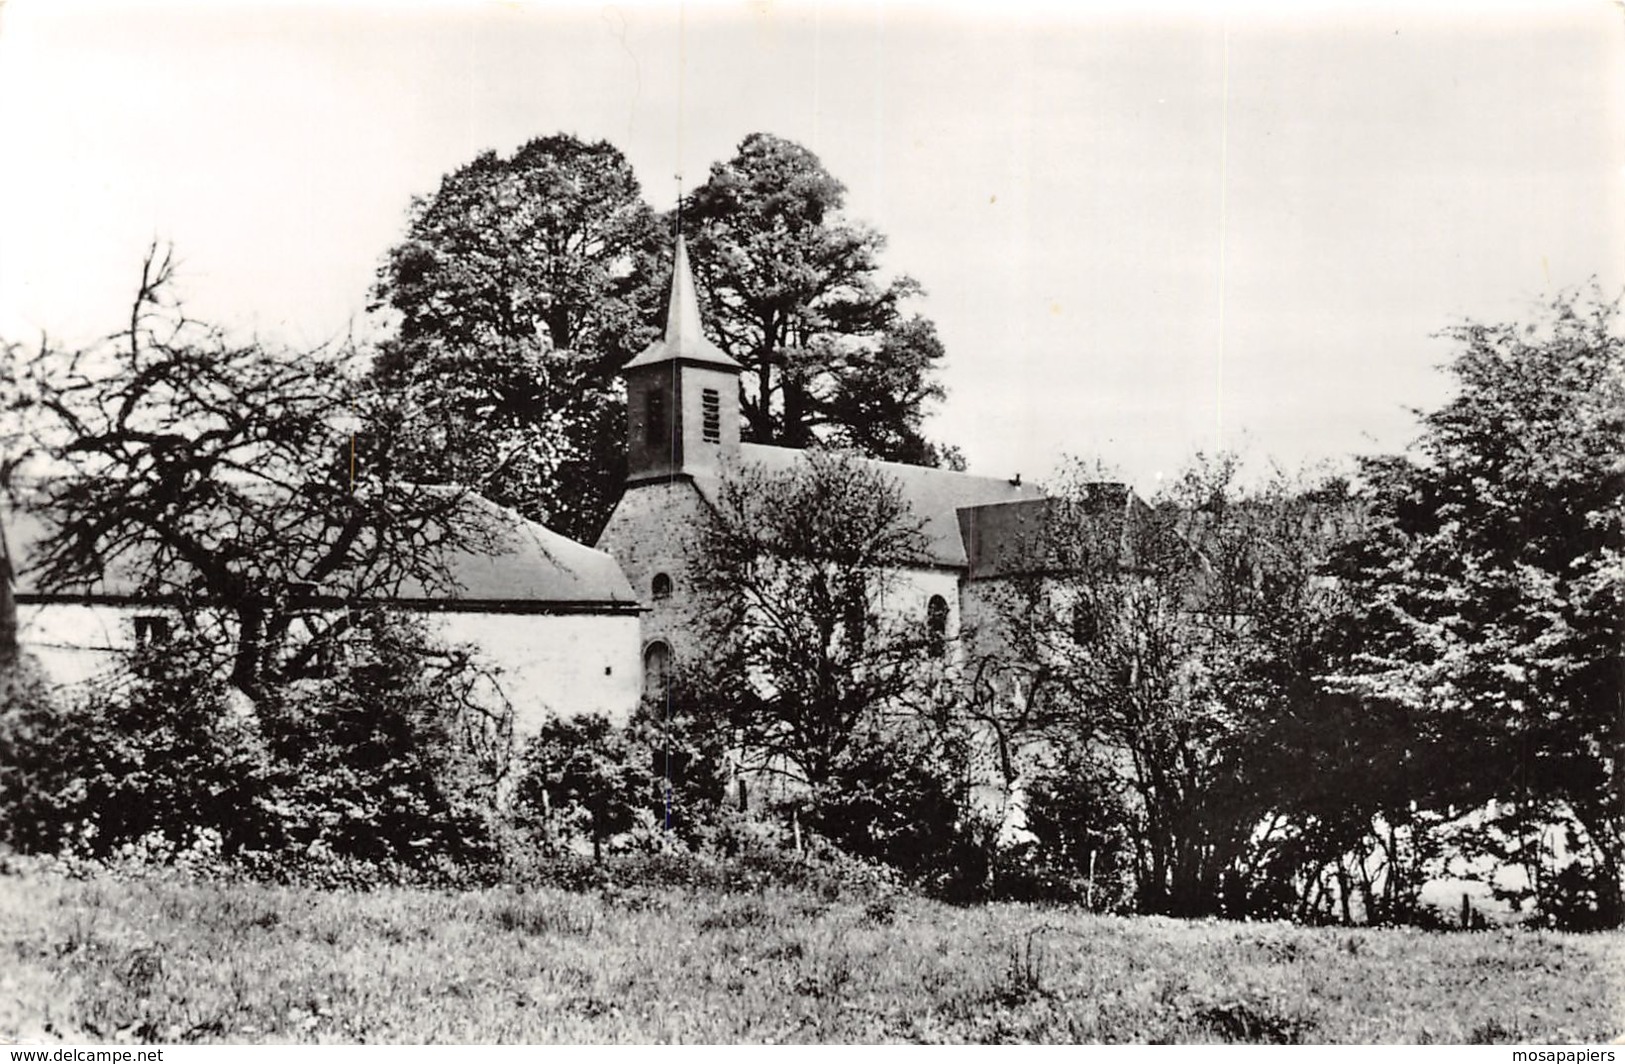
(682, 396)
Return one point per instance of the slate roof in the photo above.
(516, 565)
(934, 496)
(684, 339)
(1016, 539)
(525, 562)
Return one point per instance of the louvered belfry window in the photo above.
(711, 415)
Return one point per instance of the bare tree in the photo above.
(252, 489)
(1170, 644)
(802, 565)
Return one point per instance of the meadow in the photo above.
(171, 960)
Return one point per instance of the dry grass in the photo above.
(174, 961)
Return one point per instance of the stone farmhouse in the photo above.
(556, 619)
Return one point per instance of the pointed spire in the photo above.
(683, 316)
(685, 336)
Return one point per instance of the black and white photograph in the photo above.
(754, 522)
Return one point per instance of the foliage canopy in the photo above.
(796, 297)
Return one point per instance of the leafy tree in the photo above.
(521, 287)
(802, 563)
(1168, 642)
(1330, 780)
(585, 776)
(794, 295)
(242, 484)
(1492, 586)
(161, 754)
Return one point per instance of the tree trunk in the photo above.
(1610, 889)
(245, 666)
(8, 615)
(761, 424)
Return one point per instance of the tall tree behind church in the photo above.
(521, 286)
(794, 294)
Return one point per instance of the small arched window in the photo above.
(936, 625)
(656, 669)
(1085, 629)
(660, 587)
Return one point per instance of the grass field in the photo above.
(151, 960)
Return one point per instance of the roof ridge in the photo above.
(888, 463)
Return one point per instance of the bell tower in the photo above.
(682, 394)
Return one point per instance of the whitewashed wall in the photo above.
(568, 664)
(74, 643)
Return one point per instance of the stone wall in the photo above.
(657, 528)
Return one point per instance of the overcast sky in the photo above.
(1141, 233)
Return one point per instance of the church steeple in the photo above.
(685, 339)
(682, 393)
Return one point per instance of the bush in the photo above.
(390, 761)
(168, 753)
(1081, 849)
(383, 772)
(660, 778)
(891, 800)
(583, 779)
(1579, 899)
(683, 737)
(38, 816)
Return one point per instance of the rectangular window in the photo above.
(151, 631)
(711, 415)
(655, 419)
(151, 634)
